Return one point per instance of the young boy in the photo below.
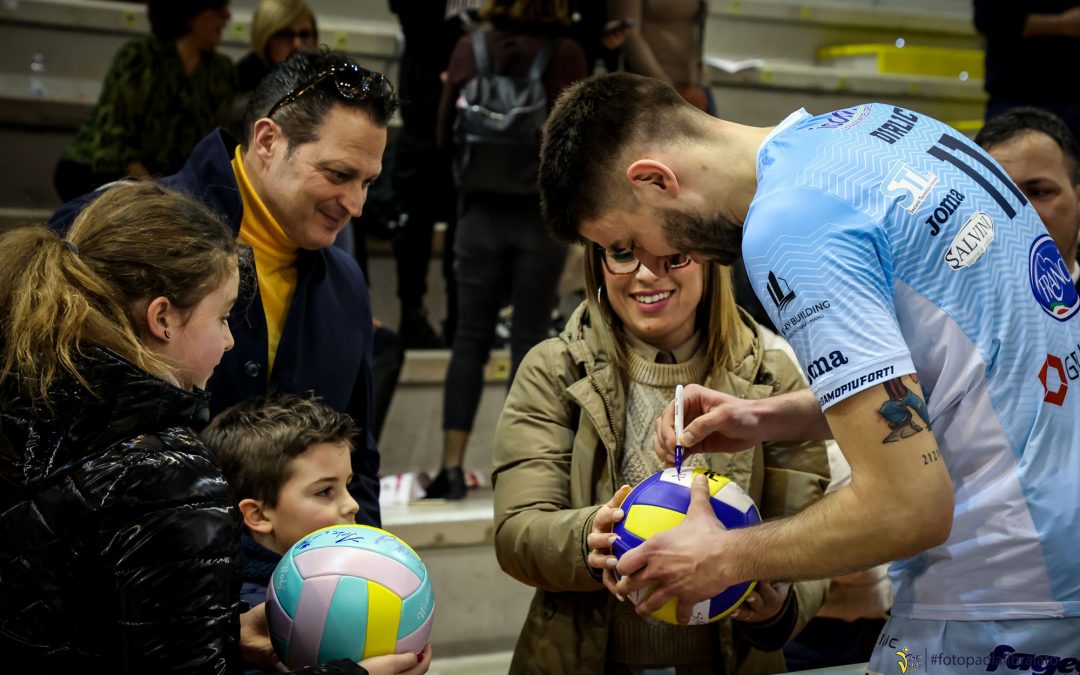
(288, 460)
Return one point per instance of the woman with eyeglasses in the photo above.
(579, 423)
(278, 28)
(161, 95)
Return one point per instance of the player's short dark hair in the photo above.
(592, 123)
(1019, 121)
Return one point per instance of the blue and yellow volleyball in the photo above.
(659, 503)
(348, 592)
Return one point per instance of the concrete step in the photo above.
(412, 436)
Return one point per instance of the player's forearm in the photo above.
(792, 417)
(849, 530)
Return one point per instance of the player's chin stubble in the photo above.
(717, 239)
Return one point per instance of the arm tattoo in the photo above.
(897, 411)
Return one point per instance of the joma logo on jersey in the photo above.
(969, 244)
(907, 186)
(944, 211)
(825, 364)
(899, 124)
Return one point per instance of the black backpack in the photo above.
(497, 127)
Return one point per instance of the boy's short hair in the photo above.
(255, 440)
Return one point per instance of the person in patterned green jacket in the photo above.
(162, 94)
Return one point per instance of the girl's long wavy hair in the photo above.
(717, 319)
(135, 242)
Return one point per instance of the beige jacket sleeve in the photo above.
(539, 535)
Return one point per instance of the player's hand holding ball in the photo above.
(668, 541)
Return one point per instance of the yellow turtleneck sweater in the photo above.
(275, 258)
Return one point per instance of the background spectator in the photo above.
(665, 42)
(502, 249)
(421, 175)
(278, 28)
(1041, 155)
(1027, 44)
(161, 95)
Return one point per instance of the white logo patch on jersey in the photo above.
(973, 239)
(907, 186)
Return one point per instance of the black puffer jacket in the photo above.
(119, 537)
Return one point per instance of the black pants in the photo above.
(503, 253)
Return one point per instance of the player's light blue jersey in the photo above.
(884, 243)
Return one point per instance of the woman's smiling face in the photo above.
(660, 312)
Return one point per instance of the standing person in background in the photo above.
(666, 41)
(313, 141)
(278, 28)
(1025, 42)
(161, 95)
(421, 177)
(578, 423)
(1041, 156)
(500, 246)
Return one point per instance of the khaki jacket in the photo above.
(557, 448)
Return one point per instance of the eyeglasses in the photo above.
(289, 35)
(625, 262)
(351, 82)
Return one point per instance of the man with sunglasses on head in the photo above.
(312, 144)
(936, 323)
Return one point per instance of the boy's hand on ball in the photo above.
(715, 422)
(600, 538)
(763, 603)
(399, 664)
(686, 561)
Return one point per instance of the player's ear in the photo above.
(255, 516)
(652, 181)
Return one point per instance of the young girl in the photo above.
(579, 422)
(120, 546)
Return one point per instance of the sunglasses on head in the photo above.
(351, 83)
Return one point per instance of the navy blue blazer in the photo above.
(326, 342)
